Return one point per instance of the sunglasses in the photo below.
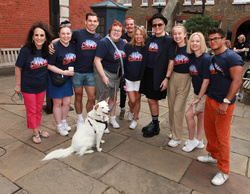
(159, 25)
(65, 25)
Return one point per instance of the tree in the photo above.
(200, 24)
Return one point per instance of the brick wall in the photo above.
(16, 18)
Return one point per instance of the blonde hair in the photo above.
(179, 25)
(203, 43)
(144, 35)
(243, 37)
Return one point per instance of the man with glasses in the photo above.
(154, 70)
(226, 78)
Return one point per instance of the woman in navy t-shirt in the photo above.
(61, 63)
(132, 68)
(30, 73)
(108, 62)
(199, 70)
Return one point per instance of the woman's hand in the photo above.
(105, 80)
(18, 89)
(164, 84)
(195, 102)
(69, 72)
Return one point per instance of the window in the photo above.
(144, 2)
(198, 2)
(157, 2)
(210, 2)
(187, 2)
(128, 3)
(240, 1)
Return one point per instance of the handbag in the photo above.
(57, 81)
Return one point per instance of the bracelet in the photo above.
(199, 98)
(168, 77)
(62, 73)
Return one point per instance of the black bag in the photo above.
(58, 80)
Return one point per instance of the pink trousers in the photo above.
(34, 105)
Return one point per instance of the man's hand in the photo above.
(222, 109)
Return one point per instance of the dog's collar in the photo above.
(99, 121)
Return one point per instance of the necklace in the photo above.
(138, 49)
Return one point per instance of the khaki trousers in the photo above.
(178, 90)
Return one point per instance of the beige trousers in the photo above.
(178, 90)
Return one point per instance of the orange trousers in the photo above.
(217, 129)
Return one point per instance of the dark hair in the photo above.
(64, 24)
(91, 14)
(217, 30)
(116, 23)
(48, 35)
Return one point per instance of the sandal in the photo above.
(36, 138)
(43, 134)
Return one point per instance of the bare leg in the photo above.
(200, 126)
(91, 91)
(190, 122)
(154, 107)
(57, 110)
(78, 100)
(137, 105)
(65, 107)
(132, 100)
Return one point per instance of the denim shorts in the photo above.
(83, 79)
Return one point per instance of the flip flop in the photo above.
(36, 138)
(43, 134)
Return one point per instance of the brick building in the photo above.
(234, 15)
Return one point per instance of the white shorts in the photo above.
(132, 85)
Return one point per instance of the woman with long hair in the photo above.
(31, 74)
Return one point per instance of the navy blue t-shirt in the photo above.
(181, 59)
(85, 44)
(133, 63)
(125, 36)
(34, 71)
(219, 86)
(199, 70)
(63, 56)
(107, 52)
(152, 51)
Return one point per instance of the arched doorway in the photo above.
(244, 29)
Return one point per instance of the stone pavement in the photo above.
(129, 162)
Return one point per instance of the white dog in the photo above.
(88, 135)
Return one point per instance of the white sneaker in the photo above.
(130, 116)
(133, 124)
(207, 158)
(200, 145)
(62, 131)
(79, 124)
(113, 122)
(172, 143)
(66, 126)
(170, 136)
(106, 130)
(191, 144)
(220, 178)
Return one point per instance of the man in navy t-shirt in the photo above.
(86, 41)
(130, 26)
(226, 78)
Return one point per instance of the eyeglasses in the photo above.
(115, 30)
(215, 39)
(159, 25)
(65, 25)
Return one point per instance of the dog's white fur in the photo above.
(88, 135)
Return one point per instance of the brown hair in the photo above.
(144, 35)
(91, 14)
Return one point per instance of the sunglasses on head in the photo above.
(65, 25)
(159, 25)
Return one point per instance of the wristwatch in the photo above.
(168, 77)
(225, 100)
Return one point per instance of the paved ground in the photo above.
(129, 163)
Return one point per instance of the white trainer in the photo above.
(191, 144)
(207, 158)
(106, 130)
(133, 124)
(62, 131)
(172, 143)
(113, 122)
(79, 124)
(66, 126)
(200, 145)
(170, 136)
(220, 178)
(130, 116)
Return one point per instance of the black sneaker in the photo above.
(151, 129)
(122, 114)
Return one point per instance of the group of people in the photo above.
(152, 66)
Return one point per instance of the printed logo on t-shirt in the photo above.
(89, 45)
(193, 70)
(212, 70)
(38, 62)
(153, 47)
(135, 57)
(181, 59)
(117, 56)
(69, 58)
